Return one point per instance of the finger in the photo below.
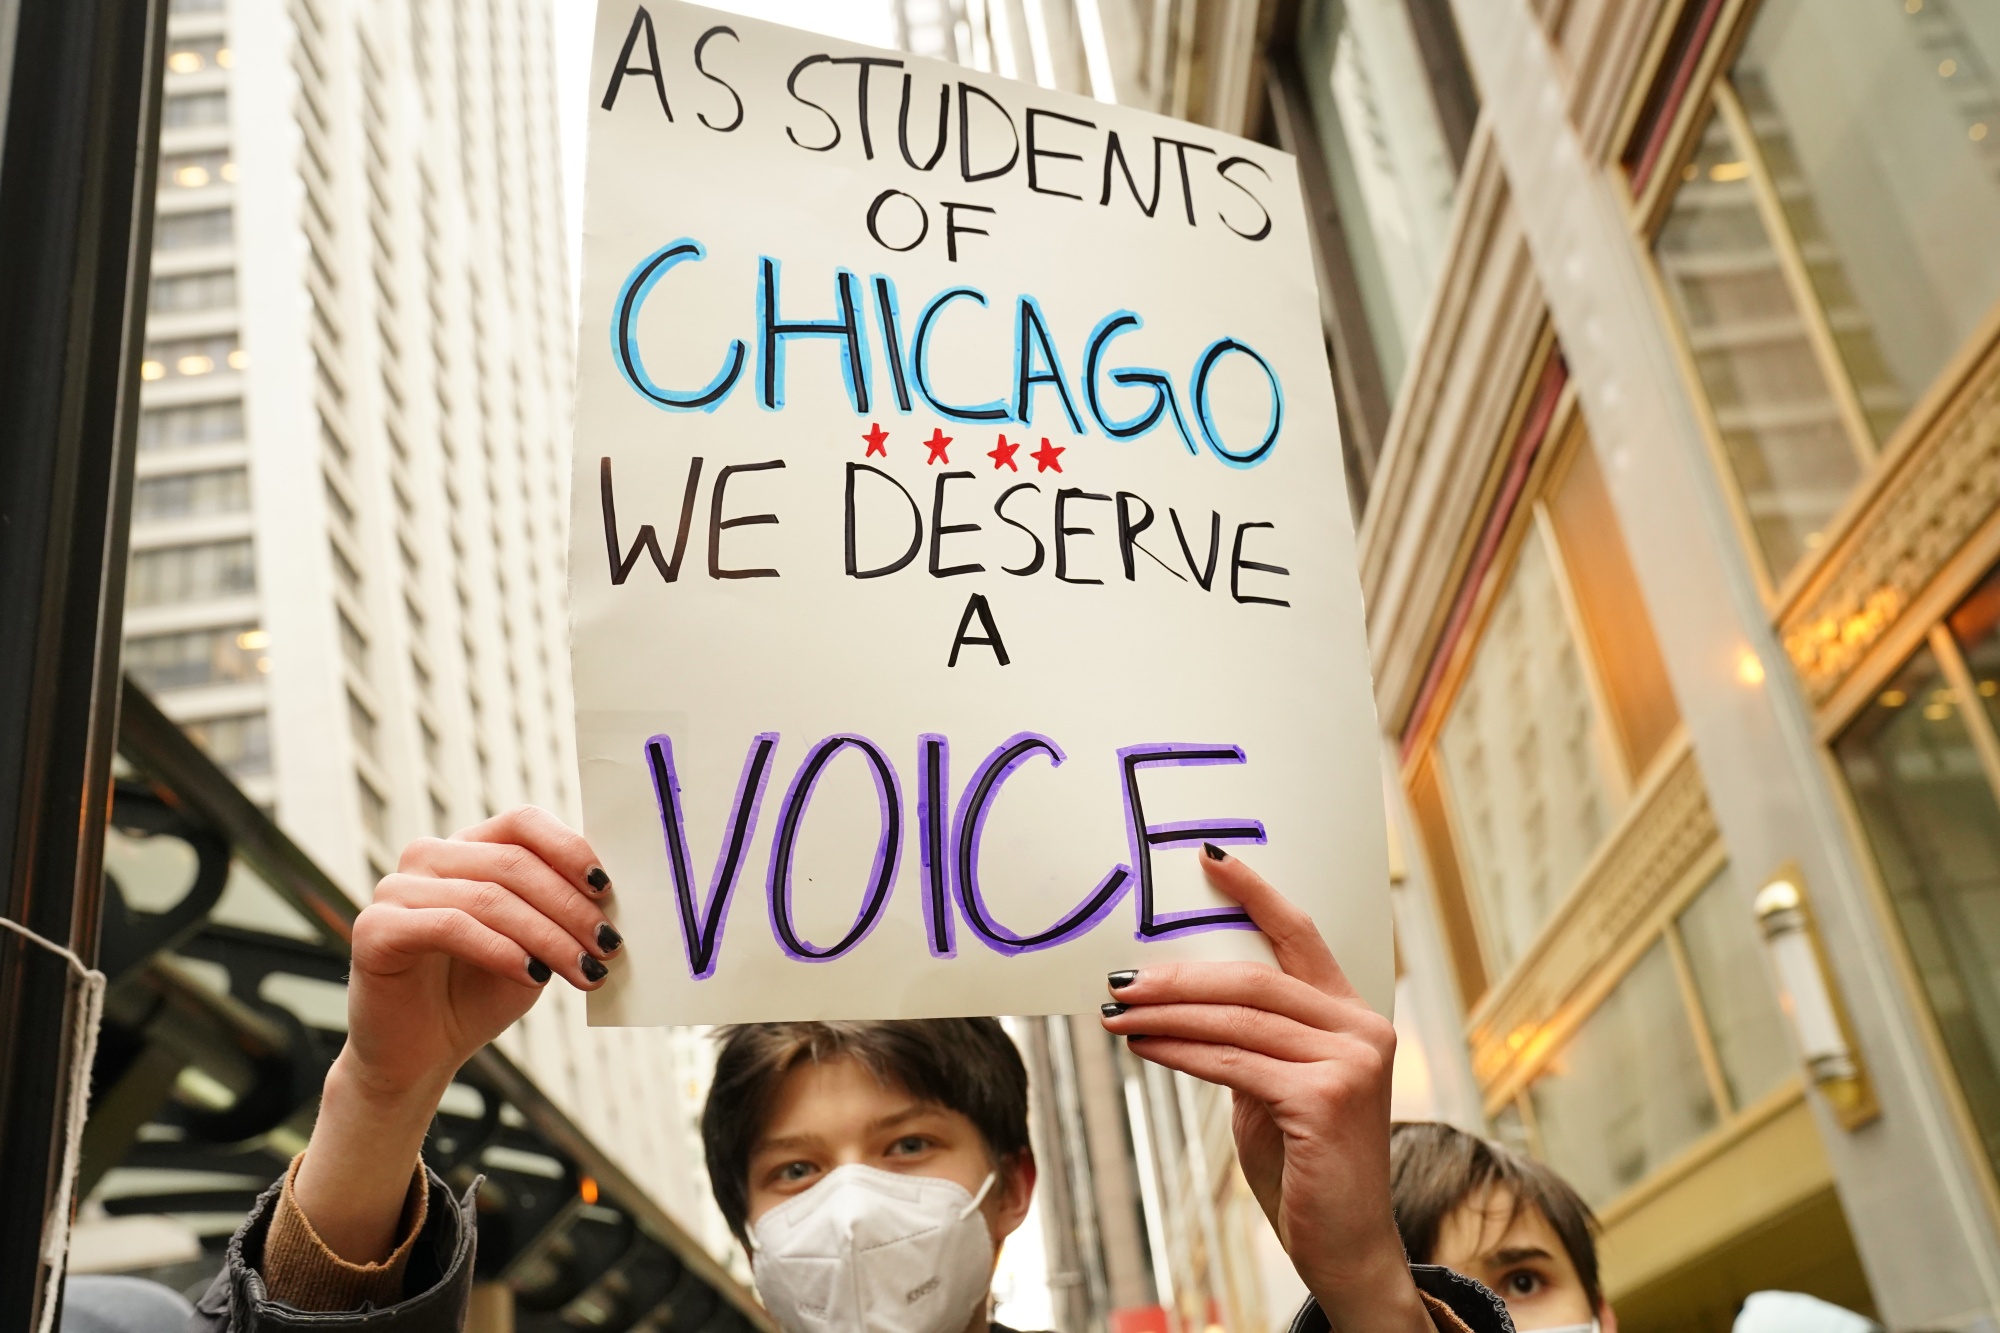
(1301, 950)
(1251, 1030)
(1253, 985)
(1255, 1076)
(392, 938)
(503, 912)
(520, 870)
(547, 837)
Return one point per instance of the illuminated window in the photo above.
(192, 55)
(194, 171)
(229, 655)
(190, 358)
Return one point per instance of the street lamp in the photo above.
(1807, 996)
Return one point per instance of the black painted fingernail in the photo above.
(597, 879)
(1112, 1008)
(1214, 853)
(591, 968)
(607, 938)
(1120, 980)
(538, 971)
(1137, 1036)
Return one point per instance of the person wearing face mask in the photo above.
(873, 1170)
(1509, 1221)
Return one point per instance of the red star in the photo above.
(1045, 457)
(936, 444)
(875, 436)
(1003, 455)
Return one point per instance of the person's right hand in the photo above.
(456, 946)
(460, 940)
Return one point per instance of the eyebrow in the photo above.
(1518, 1253)
(791, 1142)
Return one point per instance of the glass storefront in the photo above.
(1922, 760)
(1828, 247)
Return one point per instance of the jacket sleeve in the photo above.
(1456, 1303)
(436, 1284)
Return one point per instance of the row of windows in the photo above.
(191, 494)
(183, 292)
(189, 425)
(193, 573)
(193, 171)
(193, 231)
(186, 110)
(192, 55)
(189, 358)
(230, 654)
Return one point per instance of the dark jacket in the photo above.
(438, 1284)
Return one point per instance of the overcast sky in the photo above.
(867, 21)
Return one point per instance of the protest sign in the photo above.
(958, 538)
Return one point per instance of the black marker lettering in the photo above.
(976, 606)
(1034, 152)
(792, 87)
(646, 541)
(965, 135)
(1181, 147)
(866, 64)
(1203, 574)
(1128, 537)
(952, 231)
(1063, 534)
(923, 217)
(999, 512)
(854, 569)
(944, 125)
(640, 21)
(1222, 170)
(940, 530)
(717, 523)
(717, 31)
(1114, 153)
(1237, 562)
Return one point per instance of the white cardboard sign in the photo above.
(958, 538)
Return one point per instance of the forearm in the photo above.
(356, 1174)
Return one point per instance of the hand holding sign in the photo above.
(1309, 1066)
(959, 537)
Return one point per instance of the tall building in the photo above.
(347, 579)
(1666, 335)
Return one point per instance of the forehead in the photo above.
(1491, 1221)
(823, 1098)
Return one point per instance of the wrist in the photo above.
(1375, 1294)
(384, 1098)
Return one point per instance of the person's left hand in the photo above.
(1309, 1065)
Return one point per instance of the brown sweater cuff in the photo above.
(1441, 1316)
(300, 1271)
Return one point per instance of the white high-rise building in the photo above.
(348, 562)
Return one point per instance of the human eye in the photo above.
(1522, 1282)
(910, 1145)
(792, 1173)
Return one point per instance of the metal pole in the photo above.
(76, 191)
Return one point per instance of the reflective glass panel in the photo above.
(1934, 826)
(1791, 455)
(1527, 761)
(1627, 1092)
(1976, 628)
(1880, 126)
(1725, 953)
(1392, 171)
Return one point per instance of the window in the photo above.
(1923, 762)
(374, 809)
(195, 6)
(1827, 249)
(1684, 1043)
(193, 171)
(191, 424)
(190, 573)
(240, 742)
(194, 291)
(187, 358)
(353, 644)
(361, 723)
(1388, 158)
(223, 491)
(1562, 709)
(191, 231)
(187, 109)
(192, 55)
(229, 655)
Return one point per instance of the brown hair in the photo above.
(968, 1065)
(1433, 1169)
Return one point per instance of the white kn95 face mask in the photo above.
(870, 1251)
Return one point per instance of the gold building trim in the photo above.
(1924, 511)
(1668, 833)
